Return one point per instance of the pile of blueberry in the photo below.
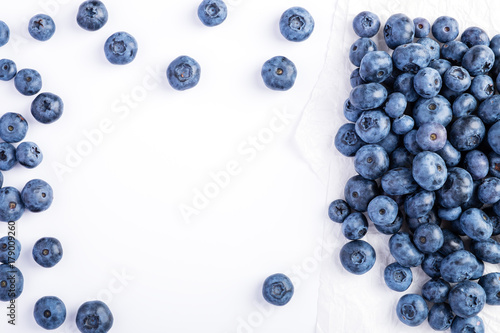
(436, 195)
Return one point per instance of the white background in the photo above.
(116, 209)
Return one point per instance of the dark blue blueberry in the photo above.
(449, 94)
(296, 24)
(397, 277)
(445, 29)
(414, 222)
(452, 243)
(10, 249)
(496, 208)
(120, 48)
(489, 190)
(41, 27)
(92, 15)
(4, 33)
(391, 229)
(489, 110)
(373, 126)
(94, 317)
(410, 143)
(358, 192)
(494, 218)
(419, 204)
(440, 317)
(395, 105)
(436, 290)
(277, 289)
(479, 271)
(482, 87)
(375, 66)
(487, 250)
(429, 170)
(449, 214)
(28, 82)
(476, 224)
(28, 154)
(7, 156)
(13, 127)
(478, 60)
(495, 45)
(422, 27)
(371, 161)
(351, 112)
(368, 96)
(47, 108)
(49, 312)
(467, 299)
(214, 12)
(347, 141)
(398, 30)
(357, 257)
(431, 265)
(431, 136)
(278, 73)
(366, 24)
(464, 105)
(427, 82)
(457, 79)
(11, 283)
(436, 109)
(382, 210)
(474, 201)
(441, 65)
(355, 79)
(355, 226)
(8, 69)
(494, 137)
(473, 324)
(338, 211)
(390, 142)
(467, 133)
(412, 310)
(401, 158)
(47, 252)
(459, 266)
(432, 47)
(457, 189)
(411, 57)
(359, 49)
(37, 195)
(491, 285)
(399, 181)
(473, 36)
(454, 51)
(455, 226)
(428, 238)
(404, 251)
(476, 163)
(402, 124)
(11, 205)
(404, 85)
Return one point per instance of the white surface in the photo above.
(349, 303)
(118, 208)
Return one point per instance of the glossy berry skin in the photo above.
(382, 210)
(402, 124)
(467, 299)
(489, 110)
(427, 82)
(278, 73)
(404, 251)
(29, 155)
(120, 48)
(440, 317)
(355, 226)
(354, 79)
(454, 51)
(473, 324)
(366, 24)
(212, 12)
(451, 243)
(41, 27)
(8, 69)
(46, 108)
(431, 136)
(9, 274)
(399, 181)
(491, 285)
(94, 317)
(475, 36)
(432, 47)
(476, 224)
(431, 265)
(411, 57)
(338, 210)
(398, 30)
(296, 24)
(412, 310)
(395, 105)
(422, 27)
(436, 109)
(92, 15)
(4, 33)
(429, 170)
(467, 133)
(397, 277)
(459, 266)
(347, 141)
(10, 249)
(371, 161)
(357, 257)
(436, 290)
(419, 203)
(487, 250)
(351, 112)
(373, 126)
(28, 82)
(391, 229)
(489, 190)
(441, 65)
(404, 84)
(37, 195)
(358, 192)
(11, 205)
(464, 105)
(368, 96)
(7, 156)
(47, 252)
(449, 214)
(428, 238)
(445, 29)
(457, 189)
(482, 87)
(478, 60)
(13, 127)
(457, 79)
(375, 66)
(277, 289)
(359, 49)
(49, 312)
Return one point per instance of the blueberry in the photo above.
(441, 65)
(390, 142)
(347, 141)
(49, 312)
(41, 27)
(445, 29)
(457, 79)
(359, 192)
(414, 222)
(4, 33)
(422, 27)
(392, 228)
(397, 277)
(28, 154)
(495, 45)
(454, 52)
(368, 96)
(410, 143)
(436, 109)
(47, 252)
(457, 189)
(92, 15)
(8, 69)
(37, 195)
(459, 266)
(473, 324)
(355, 226)
(351, 112)
(404, 84)
(427, 82)
(94, 317)
(478, 60)
(489, 110)
(395, 105)
(338, 211)
(455, 226)
(487, 250)
(214, 12)
(47, 108)
(373, 126)
(431, 136)
(489, 190)
(277, 289)
(296, 24)
(411, 57)
(371, 161)
(467, 299)
(375, 66)
(278, 73)
(355, 79)
(465, 105)
(402, 124)
(491, 285)
(120, 48)
(432, 47)
(11, 283)
(467, 133)
(357, 257)
(429, 170)
(482, 87)
(359, 49)
(399, 181)
(412, 310)
(473, 36)
(10, 249)
(476, 224)
(28, 82)
(401, 158)
(440, 317)
(398, 30)
(428, 238)
(479, 270)
(404, 251)
(366, 24)
(474, 201)
(382, 210)
(7, 156)
(476, 163)
(419, 204)
(449, 94)
(449, 214)
(431, 265)
(11, 205)
(13, 127)
(436, 290)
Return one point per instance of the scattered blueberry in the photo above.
(338, 211)
(47, 108)
(355, 226)
(28, 154)
(13, 127)
(49, 312)
(397, 277)
(8, 69)
(28, 82)
(11, 205)
(47, 252)
(94, 317)
(357, 257)
(4, 33)
(41, 27)
(37, 195)
(92, 15)
(212, 12)
(278, 73)
(277, 289)
(347, 140)
(120, 48)
(10, 249)
(366, 24)
(11, 282)
(412, 310)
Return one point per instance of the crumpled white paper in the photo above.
(350, 303)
